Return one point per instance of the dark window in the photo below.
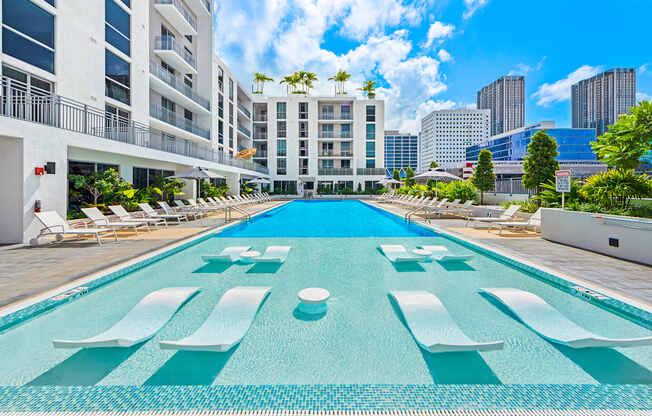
(371, 113)
(117, 78)
(118, 26)
(127, 3)
(189, 38)
(371, 163)
(187, 114)
(30, 20)
(281, 148)
(27, 51)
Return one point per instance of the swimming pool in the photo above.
(360, 345)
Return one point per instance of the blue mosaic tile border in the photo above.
(359, 398)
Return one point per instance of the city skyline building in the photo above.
(505, 97)
(401, 151)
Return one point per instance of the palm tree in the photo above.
(291, 82)
(308, 79)
(340, 78)
(259, 82)
(369, 88)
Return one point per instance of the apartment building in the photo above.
(597, 102)
(308, 143)
(445, 135)
(401, 151)
(505, 97)
(124, 84)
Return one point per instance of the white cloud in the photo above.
(471, 106)
(440, 31)
(641, 96)
(643, 69)
(523, 69)
(559, 91)
(370, 16)
(472, 6)
(444, 56)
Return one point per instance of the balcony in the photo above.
(176, 13)
(201, 6)
(171, 51)
(260, 154)
(166, 84)
(335, 171)
(178, 121)
(344, 116)
(371, 171)
(244, 131)
(244, 111)
(335, 154)
(260, 118)
(260, 136)
(335, 135)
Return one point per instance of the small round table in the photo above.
(422, 253)
(313, 300)
(247, 256)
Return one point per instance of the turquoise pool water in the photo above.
(360, 340)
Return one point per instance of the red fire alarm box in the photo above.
(39, 171)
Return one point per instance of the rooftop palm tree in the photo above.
(259, 82)
(308, 79)
(291, 81)
(369, 88)
(340, 78)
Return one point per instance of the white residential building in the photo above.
(308, 142)
(125, 84)
(445, 135)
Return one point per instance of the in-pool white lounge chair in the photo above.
(57, 226)
(227, 324)
(140, 323)
(548, 322)
(100, 220)
(432, 327)
(534, 222)
(273, 254)
(398, 254)
(151, 213)
(504, 217)
(122, 213)
(228, 255)
(442, 255)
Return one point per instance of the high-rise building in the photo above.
(312, 143)
(401, 151)
(505, 97)
(138, 89)
(597, 102)
(445, 135)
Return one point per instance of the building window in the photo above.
(281, 148)
(303, 111)
(371, 113)
(371, 149)
(281, 166)
(281, 129)
(230, 89)
(220, 78)
(168, 104)
(144, 177)
(303, 129)
(89, 168)
(230, 136)
(117, 27)
(231, 113)
(220, 132)
(220, 105)
(35, 85)
(371, 132)
(346, 131)
(28, 33)
(281, 110)
(371, 163)
(117, 81)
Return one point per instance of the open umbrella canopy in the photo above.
(389, 180)
(259, 181)
(437, 175)
(198, 173)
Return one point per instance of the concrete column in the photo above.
(233, 180)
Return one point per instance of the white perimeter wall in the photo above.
(11, 189)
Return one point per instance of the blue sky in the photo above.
(435, 54)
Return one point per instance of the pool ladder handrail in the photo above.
(415, 210)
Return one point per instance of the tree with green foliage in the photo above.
(169, 187)
(433, 165)
(625, 143)
(396, 176)
(259, 82)
(409, 175)
(369, 88)
(615, 188)
(484, 177)
(106, 185)
(540, 165)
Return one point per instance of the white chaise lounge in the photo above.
(441, 254)
(100, 220)
(398, 254)
(140, 323)
(122, 213)
(432, 327)
(273, 254)
(55, 225)
(534, 223)
(151, 213)
(504, 217)
(227, 324)
(548, 322)
(228, 255)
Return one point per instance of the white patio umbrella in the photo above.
(437, 176)
(199, 174)
(259, 181)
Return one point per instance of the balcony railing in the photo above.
(260, 154)
(60, 112)
(244, 131)
(335, 135)
(336, 154)
(371, 171)
(335, 171)
(333, 116)
(168, 43)
(177, 120)
(178, 84)
(260, 117)
(244, 110)
(259, 136)
(182, 9)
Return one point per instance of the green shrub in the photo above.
(615, 188)
(529, 206)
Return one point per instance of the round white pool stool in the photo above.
(313, 300)
(248, 256)
(421, 252)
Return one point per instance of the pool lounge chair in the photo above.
(463, 210)
(122, 213)
(398, 254)
(273, 254)
(534, 222)
(504, 217)
(141, 323)
(55, 225)
(432, 327)
(227, 324)
(190, 209)
(100, 220)
(151, 213)
(548, 322)
(442, 255)
(228, 255)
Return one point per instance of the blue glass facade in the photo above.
(400, 152)
(574, 144)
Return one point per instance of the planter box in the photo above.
(622, 237)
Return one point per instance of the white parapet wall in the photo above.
(622, 237)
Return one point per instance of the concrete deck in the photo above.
(631, 280)
(28, 271)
